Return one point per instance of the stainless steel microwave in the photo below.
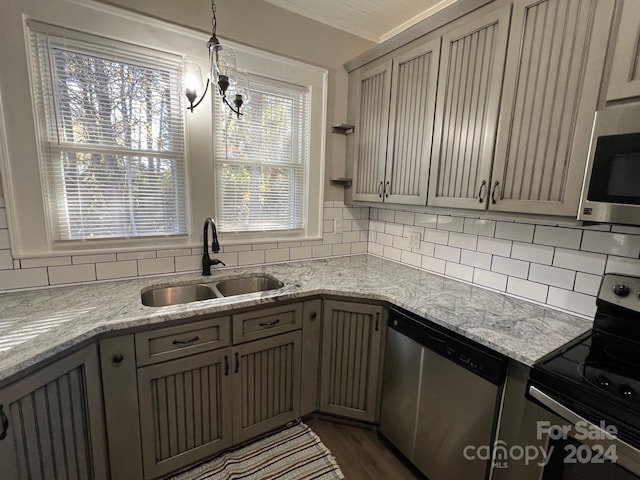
(611, 188)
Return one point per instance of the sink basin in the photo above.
(240, 286)
(164, 296)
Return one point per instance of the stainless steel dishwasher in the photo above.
(441, 394)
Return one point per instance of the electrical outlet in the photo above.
(337, 225)
(414, 239)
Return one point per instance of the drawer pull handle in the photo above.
(226, 365)
(186, 342)
(237, 363)
(5, 423)
(270, 324)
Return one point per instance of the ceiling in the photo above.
(375, 20)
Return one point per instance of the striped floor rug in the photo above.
(295, 453)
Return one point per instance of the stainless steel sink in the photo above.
(179, 294)
(240, 286)
(164, 296)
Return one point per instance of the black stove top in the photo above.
(598, 375)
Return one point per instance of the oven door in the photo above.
(610, 191)
(581, 450)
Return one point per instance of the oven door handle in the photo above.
(628, 456)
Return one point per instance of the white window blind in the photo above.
(262, 160)
(112, 136)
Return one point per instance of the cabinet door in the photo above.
(470, 83)
(370, 135)
(625, 69)
(551, 87)
(413, 101)
(185, 411)
(266, 385)
(351, 352)
(55, 422)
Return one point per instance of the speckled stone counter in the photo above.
(36, 325)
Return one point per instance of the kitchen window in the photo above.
(262, 160)
(111, 131)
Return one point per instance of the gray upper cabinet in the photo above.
(625, 68)
(352, 336)
(55, 422)
(552, 79)
(470, 84)
(394, 124)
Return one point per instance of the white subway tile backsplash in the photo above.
(476, 259)
(321, 251)
(526, 289)
(26, 278)
(136, 255)
(392, 253)
(433, 264)
(350, 237)
(520, 232)
(580, 261)
(189, 263)
(377, 226)
(112, 270)
(456, 270)
(463, 240)
(255, 257)
(230, 259)
(452, 224)
(361, 225)
(510, 267)
(494, 280)
(236, 248)
(427, 248)
(375, 249)
(44, 262)
(289, 244)
(72, 274)
(436, 236)
(102, 257)
(617, 244)
(268, 246)
(447, 253)
(494, 246)
(175, 252)
(341, 249)
(327, 239)
(587, 283)
(373, 213)
(277, 255)
(477, 226)
(623, 265)
(384, 239)
(557, 236)
(532, 253)
(297, 253)
(387, 215)
(576, 302)
(401, 242)
(393, 229)
(358, 247)
(327, 226)
(405, 218)
(411, 258)
(331, 213)
(352, 213)
(558, 277)
(156, 266)
(426, 220)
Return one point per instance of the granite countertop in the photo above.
(38, 324)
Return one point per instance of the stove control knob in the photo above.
(621, 290)
(604, 382)
(627, 392)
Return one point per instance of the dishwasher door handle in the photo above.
(628, 456)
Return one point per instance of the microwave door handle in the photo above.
(628, 456)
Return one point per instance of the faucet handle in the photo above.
(217, 261)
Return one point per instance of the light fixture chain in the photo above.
(214, 21)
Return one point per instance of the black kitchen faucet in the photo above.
(215, 247)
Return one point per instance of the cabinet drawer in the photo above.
(266, 322)
(174, 342)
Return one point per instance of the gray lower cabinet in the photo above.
(266, 385)
(352, 335)
(184, 411)
(54, 422)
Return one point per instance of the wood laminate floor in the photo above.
(359, 452)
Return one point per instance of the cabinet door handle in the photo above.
(118, 358)
(186, 342)
(483, 187)
(380, 189)
(313, 315)
(387, 190)
(270, 324)
(377, 322)
(226, 365)
(237, 363)
(5, 423)
(493, 193)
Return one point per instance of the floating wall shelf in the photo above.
(340, 182)
(342, 128)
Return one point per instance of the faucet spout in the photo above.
(207, 262)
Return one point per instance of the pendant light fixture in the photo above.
(230, 81)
